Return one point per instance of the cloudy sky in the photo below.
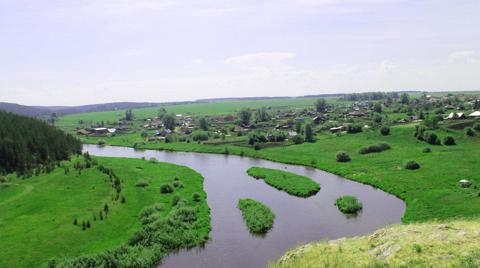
(61, 52)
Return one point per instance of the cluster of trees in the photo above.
(27, 144)
(370, 96)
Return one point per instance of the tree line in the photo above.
(27, 144)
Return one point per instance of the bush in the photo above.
(348, 204)
(177, 184)
(476, 127)
(449, 140)
(200, 136)
(431, 138)
(427, 150)
(166, 188)
(385, 131)
(298, 139)
(258, 217)
(354, 128)
(153, 160)
(412, 165)
(375, 148)
(196, 197)
(343, 157)
(469, 132)
(141, 183)
(175, 200)
(101, 142)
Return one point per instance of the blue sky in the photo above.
(91, 51)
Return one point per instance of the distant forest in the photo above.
(29, 145)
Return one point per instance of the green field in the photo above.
(37, 214)
(289, 182)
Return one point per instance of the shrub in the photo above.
(141, 183)
(175, 200)
(200, 136)
(449, 140)
(153, 160)
(101, 142)
(354, 128)
(123, 199)
(343, 157)
(348, 204)
(196, 197)
(469, 132)
(385, 131)
(297, 139)
(166, 188)
(476, 127)
(375, 148)
(431, 138)
(177, 184)
(412, 165)
(427, 150)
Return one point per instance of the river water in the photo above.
(298, 220)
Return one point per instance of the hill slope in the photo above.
(434, 244)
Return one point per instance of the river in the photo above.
(298, 220)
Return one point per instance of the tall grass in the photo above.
(258, 217)
(291, 183)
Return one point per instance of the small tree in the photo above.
(129, 115)
(105, 209)
(196, 197)
(75, 222)
(166, 188)
(343, 157)
(308, 133)
(203, 123)
(169, 121)
(449, 140)
(244, 116)
(412, 165)
(385, 131)
(377, 107)
(469, 132)
(320, 105)
(88, 224)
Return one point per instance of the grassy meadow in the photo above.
(38, 213)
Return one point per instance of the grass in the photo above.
(36, 223)
(291, 183)
(348, 204)
(431, 244)
(258, 217)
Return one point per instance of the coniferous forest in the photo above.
(28, 144)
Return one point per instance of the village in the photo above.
(277, 126)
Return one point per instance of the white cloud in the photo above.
(261, 58)
(462, 54)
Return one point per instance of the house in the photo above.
(449, 107)
(163, 133)
(456, 116)
(100, 131)
(356, 113)
(292, 133)
(83, 131)
(475, 114)
(336, 129)
(111, 130)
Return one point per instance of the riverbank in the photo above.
(87, 211)
(431, 192)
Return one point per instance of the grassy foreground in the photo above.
(289, 182)
(449, 244)
(258, 217)
(38, 214)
